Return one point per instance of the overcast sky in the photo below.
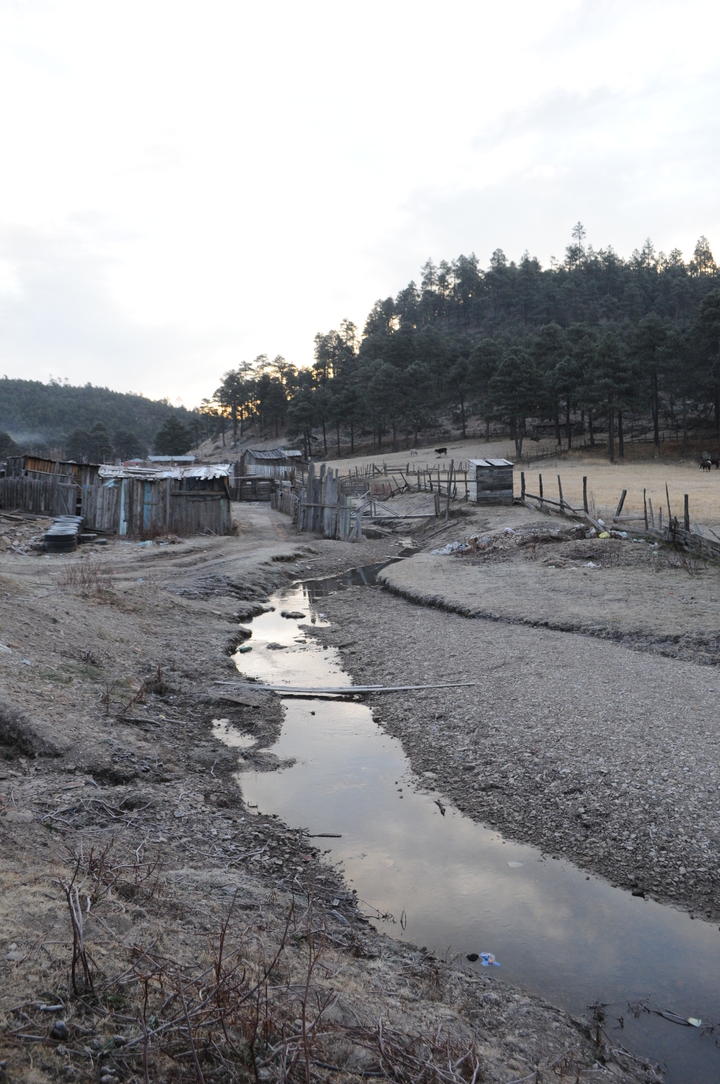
(185, 185)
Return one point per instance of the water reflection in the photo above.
(556, 932)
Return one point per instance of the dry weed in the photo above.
(88, 576)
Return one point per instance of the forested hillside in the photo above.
(44, 416)
(596, 341)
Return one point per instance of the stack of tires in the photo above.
(63, 535)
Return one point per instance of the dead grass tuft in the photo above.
(88, 576)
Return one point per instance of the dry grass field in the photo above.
(640, 469)
(606, 482)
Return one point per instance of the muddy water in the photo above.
(457, 887)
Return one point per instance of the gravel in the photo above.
(580, 746)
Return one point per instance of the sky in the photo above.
(187, 185)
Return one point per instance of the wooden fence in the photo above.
(48, 496)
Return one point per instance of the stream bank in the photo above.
(112, 773)
(438, 877)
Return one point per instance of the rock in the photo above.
(23, 816)
(15, 956)
(296, 615)
(60, 1030)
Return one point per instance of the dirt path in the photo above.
(206, 940)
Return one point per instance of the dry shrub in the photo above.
(88, 576)
(257, 1005)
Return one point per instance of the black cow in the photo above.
(441, 451)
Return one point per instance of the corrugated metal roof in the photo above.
(275, 454)
(171, 458)
(149, 474)
(490, 463)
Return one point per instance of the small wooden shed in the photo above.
(490, 481)
(141, 502)
(269, 462)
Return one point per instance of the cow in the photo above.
(705, 464)
(441, 451)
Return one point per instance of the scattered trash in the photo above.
(26, 661)
(604, 534)
(515, 865)
(473, 544)
(601, 522)
(693, 1020)
(592, 533)
(488, 960)
(140, 579)
(244, 648)
(508, 530)
(440, 806)
(639, 892)
(451, 547)
(473, 957)
(6, 649)
(295, 614)
(145, 544)
(590, 564)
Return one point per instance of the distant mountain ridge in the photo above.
(38, 415)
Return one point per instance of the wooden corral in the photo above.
(490, 481)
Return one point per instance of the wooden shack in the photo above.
(136, 502)
(141, 502)
(50, 486)
(490, 481)
(269, 462)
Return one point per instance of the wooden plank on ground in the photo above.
(340, 690)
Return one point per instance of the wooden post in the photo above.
(687, 512)
(667, 494)
(621, 502)
(449, 492)
(562, 502)
(660, 518)
(522, 485)
(540, 489)
(585, 500)
(652, 514)
(645, 507)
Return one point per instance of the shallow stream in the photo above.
(456, 886)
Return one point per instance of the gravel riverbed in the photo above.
(603, 755)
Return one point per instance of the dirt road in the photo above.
(150, 927)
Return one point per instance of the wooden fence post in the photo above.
(562, 502)
(449, 492)
(645, 507)
(585, 500)
(541, 489)
(621, 502)
(667, 494)
(687, 512)
(522, 485)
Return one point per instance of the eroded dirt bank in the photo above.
(151, 928)
(570, 740)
